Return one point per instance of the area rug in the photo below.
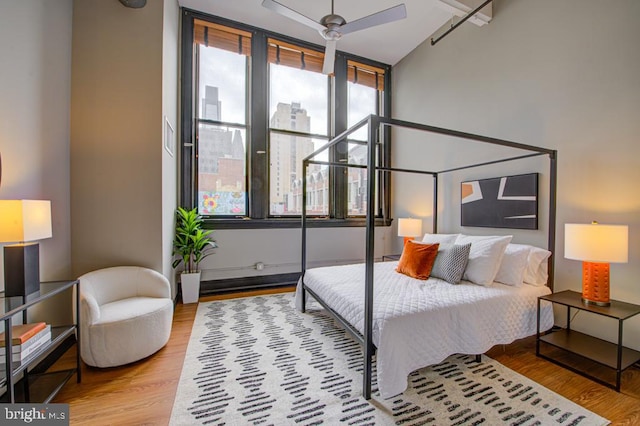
(257, 361)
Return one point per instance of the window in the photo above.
(221, 58)
(299, 99)
(254, 104)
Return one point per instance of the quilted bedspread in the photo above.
(418, 323)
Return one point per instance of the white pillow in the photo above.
(513, 265)
(537, 271)
(484, 258)
(439, 238)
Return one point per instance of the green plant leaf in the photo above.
(191, 243)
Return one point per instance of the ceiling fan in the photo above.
(332, 27)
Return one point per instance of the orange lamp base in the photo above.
(595, 283)
(408, 239)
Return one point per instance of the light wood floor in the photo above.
(142, 393)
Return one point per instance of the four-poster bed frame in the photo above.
(375, 125)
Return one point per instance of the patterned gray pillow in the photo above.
(450, 262)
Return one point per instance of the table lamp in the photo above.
(596, 245)
(21, 222)
(409, 228)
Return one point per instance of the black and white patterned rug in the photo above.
(257, 361)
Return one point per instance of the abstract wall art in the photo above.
(502, 202)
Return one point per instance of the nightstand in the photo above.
(387, 257)
(37, 387)
(612, 355)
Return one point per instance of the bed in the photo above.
(417, 323)
(414, 323)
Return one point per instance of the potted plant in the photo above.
(191, 245)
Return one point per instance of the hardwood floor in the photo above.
(142, 393)
(621, 408)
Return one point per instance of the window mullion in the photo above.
(340, 151)
(259, 129)
(187, 188)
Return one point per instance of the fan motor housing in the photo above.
(333, 24)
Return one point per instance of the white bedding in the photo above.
(418, 323)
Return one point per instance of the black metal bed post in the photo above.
(303, 216)
(374, 127)
(553, 186)
(435, 203)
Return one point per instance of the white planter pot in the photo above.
(190, 287)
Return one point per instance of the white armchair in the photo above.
(125, 315)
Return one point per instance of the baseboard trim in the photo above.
(248, 283)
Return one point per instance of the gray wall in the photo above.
(562, 75)
(35, 78)
(122, 179)
(279, 250)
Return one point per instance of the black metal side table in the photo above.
(612, 355)
(36, 387)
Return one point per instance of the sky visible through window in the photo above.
(225, 70)
(362, 102)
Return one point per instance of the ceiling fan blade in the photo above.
(329, 57)
(383, 17)
(292, 14)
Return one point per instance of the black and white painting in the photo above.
(503, 202)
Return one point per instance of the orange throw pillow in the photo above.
(417, 259)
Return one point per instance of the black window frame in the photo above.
(258, 216)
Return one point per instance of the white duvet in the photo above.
(418, 323)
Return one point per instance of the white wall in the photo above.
(562, 75)
(280, 250)
(35, 46)
(117, 153)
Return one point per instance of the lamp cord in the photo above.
(573, 317)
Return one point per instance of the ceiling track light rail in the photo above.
(467, 16)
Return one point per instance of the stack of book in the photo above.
(26, 340)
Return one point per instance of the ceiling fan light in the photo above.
(332, 34)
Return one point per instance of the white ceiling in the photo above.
(387, 43)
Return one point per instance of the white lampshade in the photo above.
(596, 242)
(24, 220)
(409, 227)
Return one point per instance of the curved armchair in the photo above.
(125, 315)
